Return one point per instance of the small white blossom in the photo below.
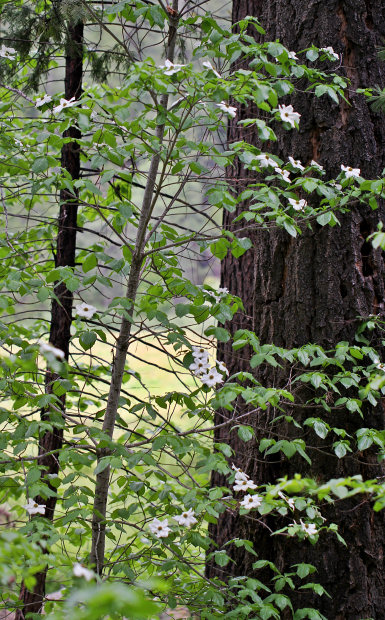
(43, 100)
(33, 508)
(292, 55)
(81, 571)
(186, 518)
(223, 290)
(211, 378)
(380, 366)
(170, 68)
(55, 596)
(289, 500)
(251, 501)
(159, 528)
(64, 103)
(240, 475)
(316, 164)
(228, 109)
(265, 160)
(285, 174)
(49, 349)
(52, 476)
(7, 52)
(200, 353)
(297, 204)
(200, 366)
(288, 115)
(222, 367)
(350, 172)
(85, 311)
(296, 164)
(330, 51)
(309, 528)
(209, 66)
(243, 485)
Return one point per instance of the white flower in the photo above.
(336, 185)
(243, 485)
(316, 164)
(7, 52)
(42, 100)
(350, 172)
(380, 366)
(296, 163)
(52, 476)
(200, 353)
(265, 160)
(55, 596)
(64, 104)
(297, 204)
(33, 508)
(81, 571)
(159, 528)
(223, 290)
(85, 310)
(292, 55)
(211, 378)
(200, 366)
(186, 518)
(251, 501)
(209, 66)
(285, 174)
(330, 51)
(309, 528)
(289, 500)
(240, 475)
(49, 349)
(170, 68)
(222, 367)
(228, 109)
(288, 115)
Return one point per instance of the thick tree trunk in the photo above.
(312, 289)
(61, 310)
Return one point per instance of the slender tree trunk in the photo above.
(97, 555)
(61, 310)
(312, 289)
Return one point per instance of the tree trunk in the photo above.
(61, 310)
(312, 289)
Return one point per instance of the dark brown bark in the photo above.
(312, 289)
(61, 309)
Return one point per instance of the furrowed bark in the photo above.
(61, 309)
(123, 341)
(312, 289)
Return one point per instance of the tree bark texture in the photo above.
(312, 289)
(61, 309)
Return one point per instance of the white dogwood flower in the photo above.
(187, 518)
(81, 571)
(251, 501)
(40, 101)
(46, 348)
(222, 367)
(207, 64)
(243, 485)
(200, 366)
(227, 109)
(169, 68)
(330, 51)
(159, 528)
(265, 160)
(288, 115)
(199, 353)
(85, 311)
(296, 164)
(64, 103)
(211, 378)
(297, 204)
(7, 52)
(55, 596)
(309, 528)
(350, 172)
(33, 508)
(292, 55)
(316, 165)
(285, 174)
(380, 366)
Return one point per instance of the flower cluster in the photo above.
(85, 311)
(227, 109)
(242, 481)
(33, 508)
(64, 103)
(265, 160)
(350, 172)
(7, 52)
(202, 368)
(161, 529)
(169, 68)
(296, 163)
(330, 52)
(288, 115)
(308, 528)
(40, 101)
(297, 204)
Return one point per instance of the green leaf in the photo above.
(87, 340)
(245, 433)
